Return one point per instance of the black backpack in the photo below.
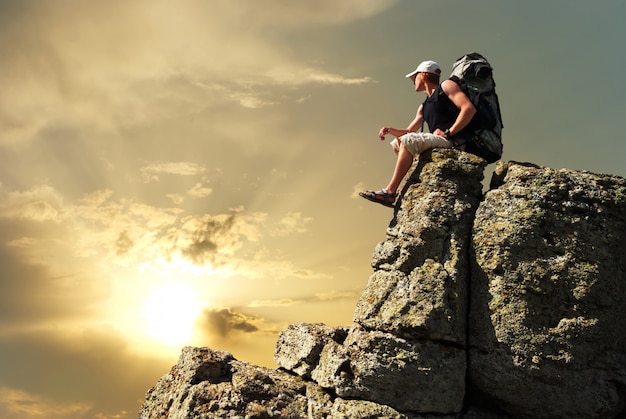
(473, 73)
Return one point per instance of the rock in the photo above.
(419, 287)
(361, 409)
(298, 347)
(547, 330)
(418, 376)
(507, 305)
(213, 384)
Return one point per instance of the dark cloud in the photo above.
(124, 243)
(201, 250)
(206, 238)
(223, 322)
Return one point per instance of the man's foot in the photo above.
(382, 197)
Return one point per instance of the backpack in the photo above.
(474, 75)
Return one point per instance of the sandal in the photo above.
(382, 197)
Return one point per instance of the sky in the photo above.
(186, 172)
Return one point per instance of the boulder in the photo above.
(212, 384)
(547, 330)
(299, 346)
(414, 376)
(419, 287)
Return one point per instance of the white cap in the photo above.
(426, 67)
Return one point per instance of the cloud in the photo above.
(125, 232)
(319, 13)
(213, 240)
(283, 302)
(137, 232)
(199, 191)
(38, 203)
(224, 322)
(263, 266)
(293, 222)
(124, 243)
(290, 302)
(176, 198)
(116, 233)
(338, 295)
(137, 63)
(18, 404)
(309, 274)
(132, 231)
(328, 78)
(151, 172)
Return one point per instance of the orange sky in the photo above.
(185, 173)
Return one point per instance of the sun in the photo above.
(169, 313)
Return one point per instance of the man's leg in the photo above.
(410, 145)
(403, 164)
(413, 144)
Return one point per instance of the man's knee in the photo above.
(406, 150)
(412, 142)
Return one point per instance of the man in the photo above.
(446, 110)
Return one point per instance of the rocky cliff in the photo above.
(509, 304)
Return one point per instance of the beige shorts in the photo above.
(418, 142)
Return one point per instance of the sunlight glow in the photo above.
(170, 311)
(180, 266)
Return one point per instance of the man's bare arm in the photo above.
(414, 126)
(461, 101)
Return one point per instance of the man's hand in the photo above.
(383, 131)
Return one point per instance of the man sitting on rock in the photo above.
(446, 110)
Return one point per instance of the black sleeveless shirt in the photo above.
(440, 112)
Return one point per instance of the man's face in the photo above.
(418, 81)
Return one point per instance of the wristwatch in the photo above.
(447, 133)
